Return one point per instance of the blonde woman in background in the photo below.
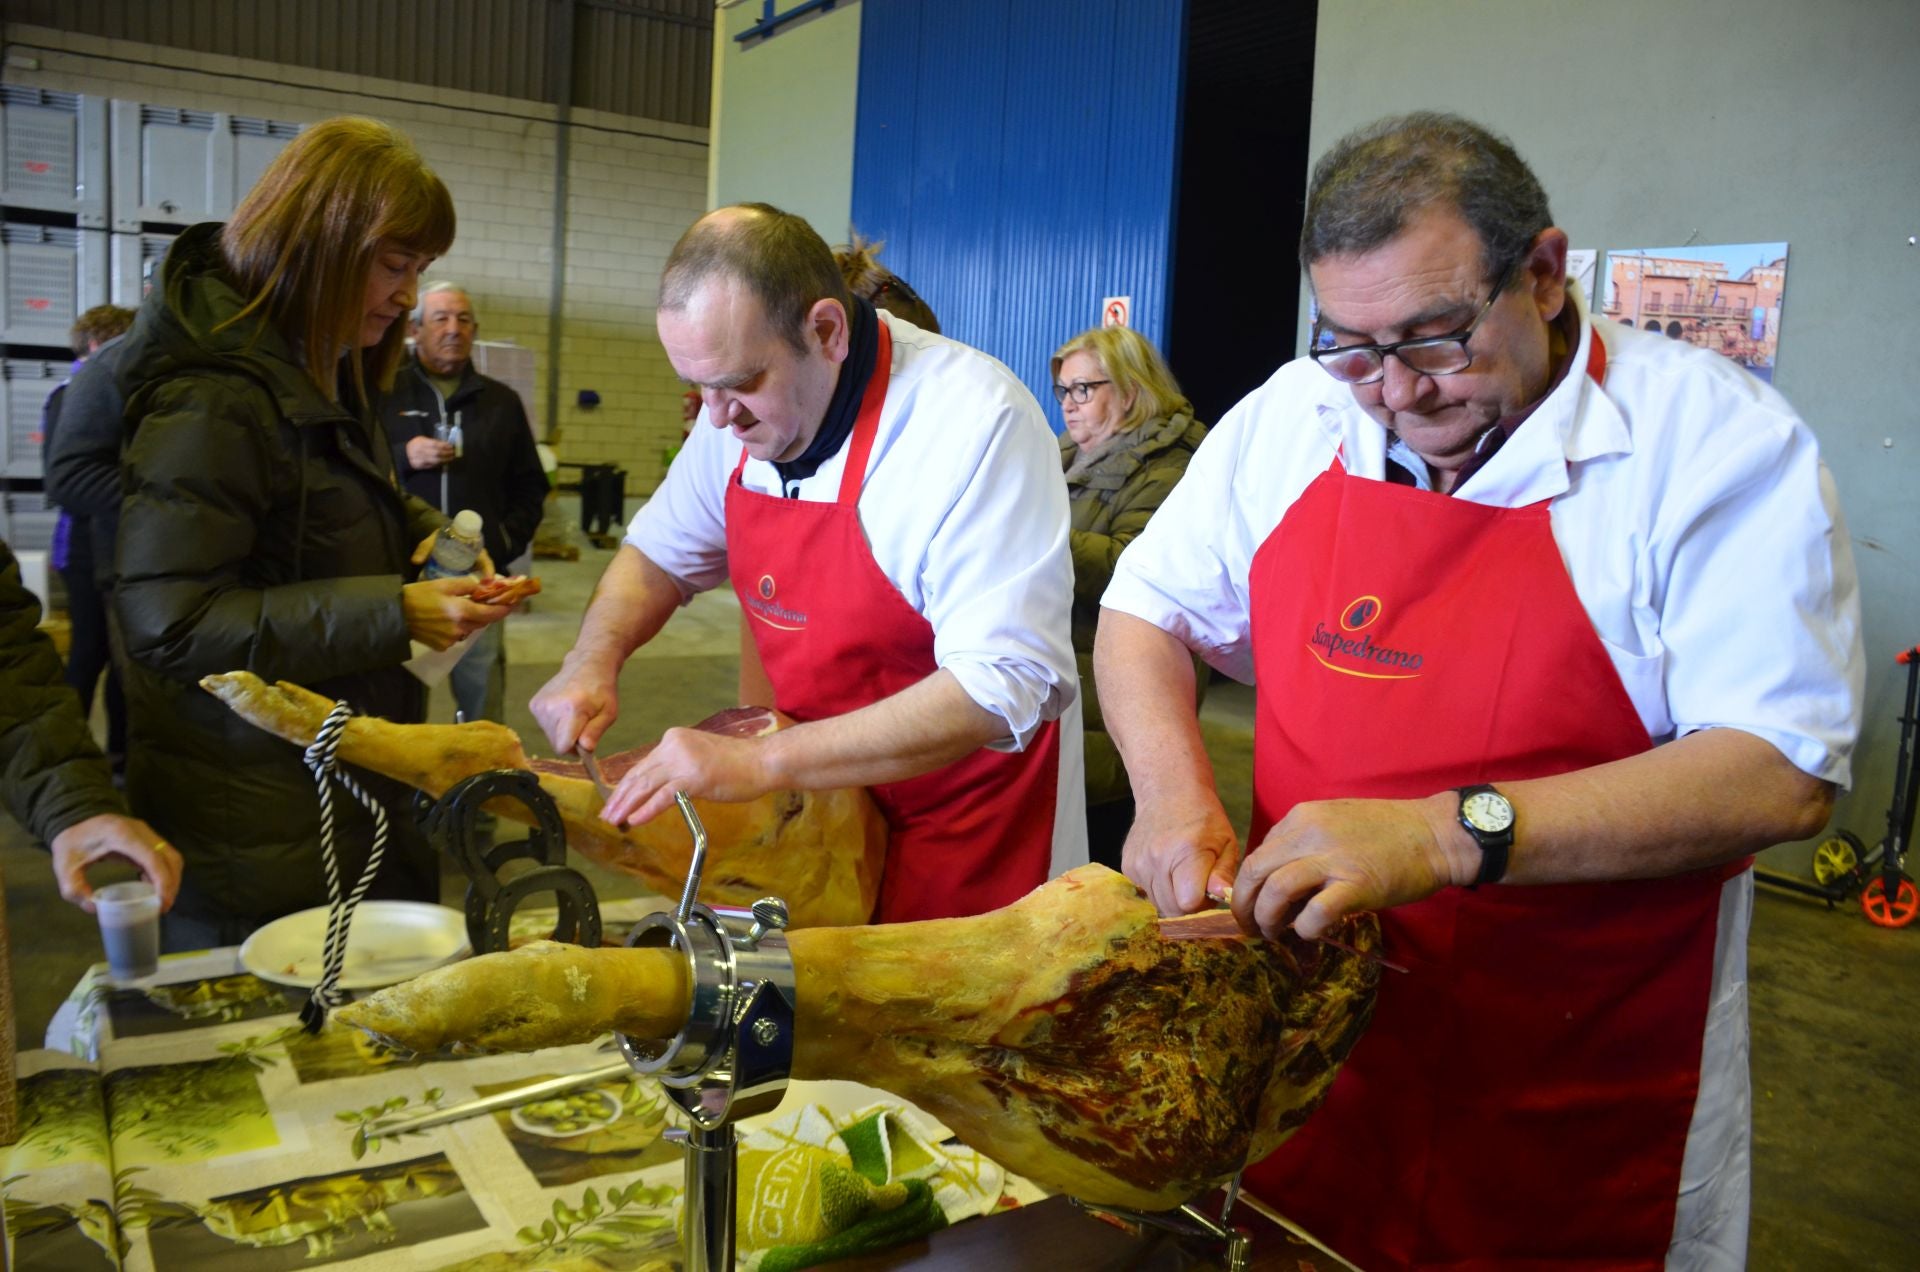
(1130, 432)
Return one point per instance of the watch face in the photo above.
(1488, 811)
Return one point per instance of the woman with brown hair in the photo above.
(262, 527)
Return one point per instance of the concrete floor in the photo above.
(1835, 1000)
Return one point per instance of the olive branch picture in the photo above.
(363, 1119)
(617, 1223)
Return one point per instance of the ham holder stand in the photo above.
(730, 1059)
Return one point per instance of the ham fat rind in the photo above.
(1073, 1036)
(821, 851)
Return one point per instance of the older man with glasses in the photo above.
(1554, 624)
(461, 439)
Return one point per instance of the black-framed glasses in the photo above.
(1427, 355)
(1081, 390)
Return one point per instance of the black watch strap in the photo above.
(1494, 844)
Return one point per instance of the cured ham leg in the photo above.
(1074, 1035)
(821, 851)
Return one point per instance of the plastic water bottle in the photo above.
(457, 549)
(456, 438)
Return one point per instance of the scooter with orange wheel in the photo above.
(1842, 865)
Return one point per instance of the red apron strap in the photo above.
(867, 425)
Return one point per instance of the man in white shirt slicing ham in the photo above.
(888, 506)
(1553, 623)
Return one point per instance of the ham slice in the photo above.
(505, 590)
(1074, 1035)
(821, 851)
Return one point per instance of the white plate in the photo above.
(389, 942)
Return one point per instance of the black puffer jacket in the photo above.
(82, 449)
(51, 773)
(262, 529)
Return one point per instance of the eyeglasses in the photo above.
(1081, 390)
(1428, 355)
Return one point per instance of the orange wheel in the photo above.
(1904, 906)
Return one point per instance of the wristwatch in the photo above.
(1488, 817)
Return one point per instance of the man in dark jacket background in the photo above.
(494, 469)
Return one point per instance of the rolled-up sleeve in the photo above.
(682, 528)
(1778, 657)
(998, 576)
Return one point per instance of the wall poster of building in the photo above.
(1725, 298)
(1580, 265)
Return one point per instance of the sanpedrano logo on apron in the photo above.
(1350, 649)
(760, 604)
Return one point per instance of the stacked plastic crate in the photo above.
(53, 265)
(93, 191)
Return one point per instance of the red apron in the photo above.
(835, 635)
(1523, 1096)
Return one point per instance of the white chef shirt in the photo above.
(1701, 531)
(964, 510)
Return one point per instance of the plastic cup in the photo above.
(129, 916)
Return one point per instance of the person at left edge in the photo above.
(263, 529)
(52, 776)
(497, 473)
(888, 505)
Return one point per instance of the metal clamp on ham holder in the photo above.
(452, 825)
(732, 1057)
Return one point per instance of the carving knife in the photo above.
(593, 772)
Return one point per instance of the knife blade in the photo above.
(593, 773)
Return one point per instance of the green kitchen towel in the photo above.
(813, 1189)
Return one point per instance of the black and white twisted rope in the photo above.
(326, 770)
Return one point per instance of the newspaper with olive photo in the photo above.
(194, 1125)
